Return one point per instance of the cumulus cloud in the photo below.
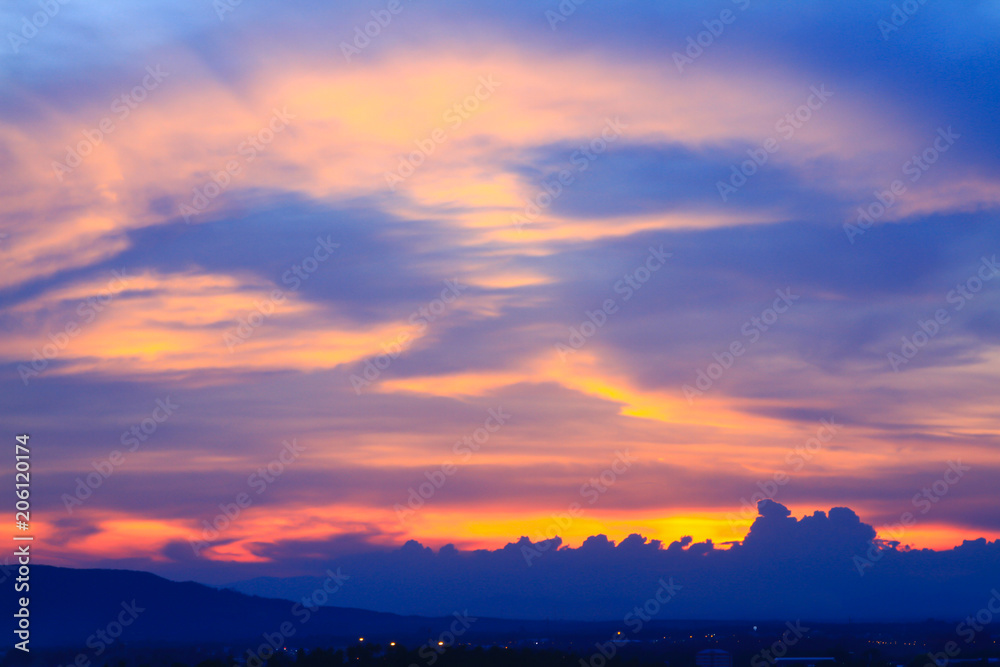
(786, 567)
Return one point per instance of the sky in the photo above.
(325, 278)
(817, 567)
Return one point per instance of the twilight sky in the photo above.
(627, 263)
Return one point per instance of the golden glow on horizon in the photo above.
(131, 538)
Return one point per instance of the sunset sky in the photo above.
(631, 258)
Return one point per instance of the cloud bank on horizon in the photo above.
(347, 276)
(821, 567)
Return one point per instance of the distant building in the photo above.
(805, 662)
(713, 657)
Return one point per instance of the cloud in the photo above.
(784, 568)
